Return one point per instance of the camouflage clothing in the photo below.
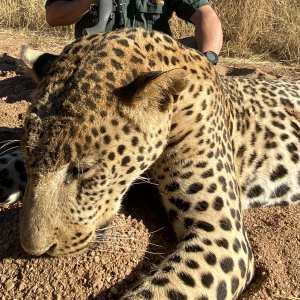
(149, 14)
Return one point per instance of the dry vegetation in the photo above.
(27, 15)
(267, 28)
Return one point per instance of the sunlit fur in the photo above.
(114, 105)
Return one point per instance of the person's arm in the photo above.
(62, 13)
(208, 29)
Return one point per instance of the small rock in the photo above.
(22, 286)
(47, 287)
(9, 284)
(99, 284)
(2, 279)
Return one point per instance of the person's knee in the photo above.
(51, 16)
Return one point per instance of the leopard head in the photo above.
(84, 145)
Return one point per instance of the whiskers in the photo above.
(7, 143)
(8, 151)
(2, 167)
(110, 227)
(109, 240)
(8, 146)
(144, 179)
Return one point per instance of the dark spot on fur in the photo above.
(125, 160)
(192, 264)
(234, 285)
(210, 258)
(172, 187)
(205, 226)
(279, 172)
(207, 279)
(201, 206)
(255, 191)
(193, 248)
(186, 279)
(175, 295)
(222, 243)
(242, 267)
(180, 203)
(221, 290)
(194, 188)
(227, 264)
(218, 203)
(280, 191)
(160, 281)
(225, 224)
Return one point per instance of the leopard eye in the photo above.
(79, 170)
(75, 173)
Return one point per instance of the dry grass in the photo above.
(268, 27)
(265, 28)
(27, 15)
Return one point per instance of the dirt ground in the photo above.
(139, 237)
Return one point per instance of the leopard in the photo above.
(114, 105)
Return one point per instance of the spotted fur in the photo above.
(116, 104)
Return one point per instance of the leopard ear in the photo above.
(153, 89)
(37, 62)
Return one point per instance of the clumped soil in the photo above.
(139, 237)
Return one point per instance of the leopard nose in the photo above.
(36, 251)
(34, 240)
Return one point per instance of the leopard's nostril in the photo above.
(52, 248)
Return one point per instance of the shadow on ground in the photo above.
(14, 85)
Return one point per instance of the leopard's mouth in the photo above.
(74, 247)
(36, 252)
